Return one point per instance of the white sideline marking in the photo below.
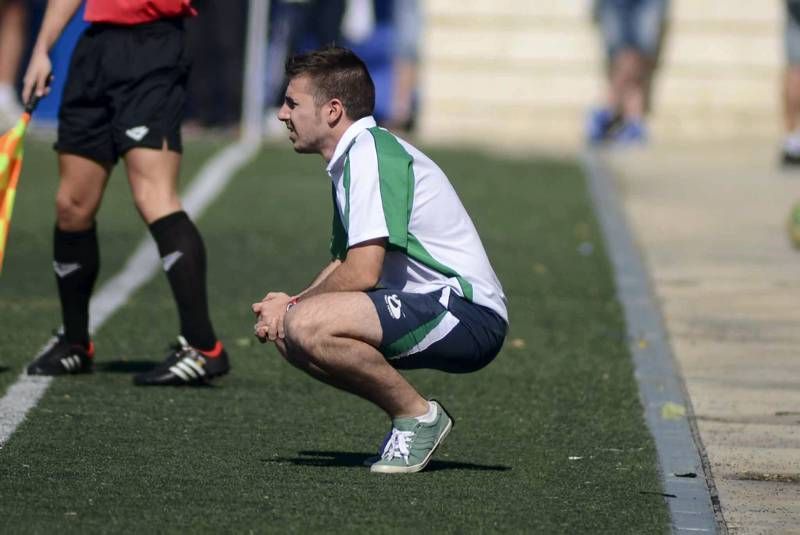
(26, 392)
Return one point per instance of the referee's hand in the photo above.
(37, 77)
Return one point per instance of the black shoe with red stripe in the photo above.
(186, 365)
(59, 357)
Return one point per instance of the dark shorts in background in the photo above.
(632, 24)
(791, 34)
(439, 330)
(126, 88)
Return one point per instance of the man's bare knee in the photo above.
(73, 213)
(283, 347)
(303, 333)
(79, 191)
(293, 354)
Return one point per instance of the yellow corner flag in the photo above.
(10, 167)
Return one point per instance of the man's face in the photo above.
(303, 118)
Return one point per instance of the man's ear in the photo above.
(335, 111)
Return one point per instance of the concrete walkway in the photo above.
(710, 222)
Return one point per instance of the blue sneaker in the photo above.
(631, 133)
(598, 125)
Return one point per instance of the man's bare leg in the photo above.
(153, 177)
(791, 98)
(80, 190)
(76, 252)
(628, 82)
(333, 337)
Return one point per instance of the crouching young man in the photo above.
(409, 286)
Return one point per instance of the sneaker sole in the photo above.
(217, 375)
(42, 373)
(202, 381)
(383, 469)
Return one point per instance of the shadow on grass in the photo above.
(4, 369)
(348, 458)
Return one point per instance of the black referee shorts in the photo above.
(126, 88)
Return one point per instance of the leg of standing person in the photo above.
(76, 252)
(407, 20)
(153, 176)
(628, 72)
(13, 17)
(198, 356)
(147, 133)
(632, 30)
(85, 159)
(791, 112)
(135, 112)
(790, 154)
(635, 65)
(604, 120)
(76, 262)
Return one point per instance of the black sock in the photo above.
(184, 259)
(76, 263)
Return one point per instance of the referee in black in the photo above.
(124, 98)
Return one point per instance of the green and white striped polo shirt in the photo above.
(385, 188)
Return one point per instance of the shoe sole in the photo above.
(207, 380)
(383, 469)
(41, 373)
(203, 381)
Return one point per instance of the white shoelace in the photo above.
(397, 445)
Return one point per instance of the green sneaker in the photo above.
(412, 443)
(369, 461)
(793, 226)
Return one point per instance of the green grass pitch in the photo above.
(550, 437)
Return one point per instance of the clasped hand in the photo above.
(270, 312)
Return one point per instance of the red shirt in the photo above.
(128, 12)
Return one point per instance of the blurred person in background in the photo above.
(385, 34)
(790, 154)
(124, 98)
(13, 31)
(632, 31)
(296, 25)
(215, 40)
(408, 23)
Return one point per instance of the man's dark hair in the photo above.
(336, 73)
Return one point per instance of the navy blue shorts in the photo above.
(439, 330)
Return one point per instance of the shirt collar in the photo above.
(347, 139)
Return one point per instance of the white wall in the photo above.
(524, 72)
